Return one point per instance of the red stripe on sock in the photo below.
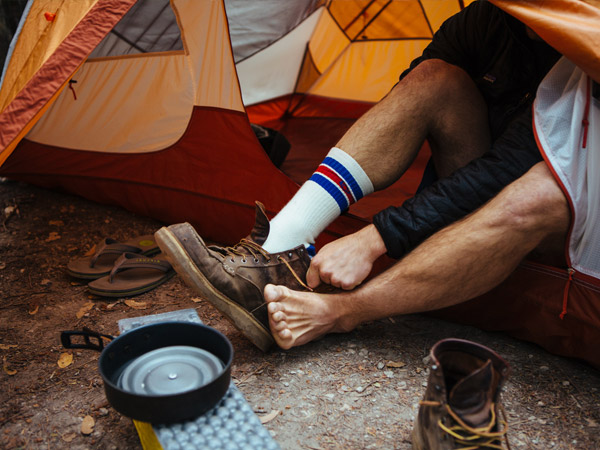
(339, 181)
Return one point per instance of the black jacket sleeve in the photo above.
(449, 199)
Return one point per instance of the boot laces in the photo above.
(475, 438)
(247, 247)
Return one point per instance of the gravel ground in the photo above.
(357, 390)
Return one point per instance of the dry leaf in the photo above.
(9, 210)
(270, 416)
(34, 310)
(91, 251)
(136, 305)
(66, 359)
(69, 437)
(196, 299)
(112, 305)
(87, 426)
(8, 371)
(58, 223)
(53, 236)
(7, 346)
(2, 265)
(395, 364)
(84, 309)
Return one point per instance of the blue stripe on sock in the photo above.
(311, 250)
(331, 189)
(347, 176)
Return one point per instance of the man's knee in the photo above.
(436, 79)
(535, 203)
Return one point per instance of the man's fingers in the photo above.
(312, 277)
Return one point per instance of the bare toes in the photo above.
(278, 317)
(274, 307)
(280, 326)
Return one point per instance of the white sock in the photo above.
(337, 183)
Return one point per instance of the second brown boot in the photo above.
(233, 278)
(461, 406)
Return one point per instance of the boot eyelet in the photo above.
(244, 260)
(256, 260)
(290, 254)
(232, 260)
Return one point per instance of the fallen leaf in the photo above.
(58, 223)
(53, 236)
(9, 210)
(136, 305)
(84, 309)
(65, 360)
(196, 299)
(2, 265)
(395, 364)
(45, 282)
(6, 369)
(7, 346)
(270, 416)
(69, 437)
(87, 426)
(112, 305)
(91, 251)
(34, 310)
(591, 423)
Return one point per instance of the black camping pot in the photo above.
(164, 372)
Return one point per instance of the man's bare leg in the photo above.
(435, 101)
(458, 263)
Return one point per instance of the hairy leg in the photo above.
(456, 264)
(435, 101)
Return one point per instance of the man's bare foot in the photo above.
(297, 318)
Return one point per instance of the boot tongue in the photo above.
(261, 225)
(471, 398)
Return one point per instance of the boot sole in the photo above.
(195, 279)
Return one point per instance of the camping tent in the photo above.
(148, 105)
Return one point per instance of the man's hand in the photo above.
(346, 262)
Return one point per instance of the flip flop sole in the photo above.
(132, 291)
(195, 279)
(79, 268)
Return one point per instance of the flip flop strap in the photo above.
(112, 247)
(136, 261)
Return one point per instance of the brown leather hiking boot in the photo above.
(233, 278)
(460, 407)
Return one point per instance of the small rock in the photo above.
(565, 383)
(544, 368)
(380, 365)
(389, 373)
(103, 412)
(359, 389)
(402, 385)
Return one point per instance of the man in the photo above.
(470, 96)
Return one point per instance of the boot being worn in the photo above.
(233, 278)
(461, 404)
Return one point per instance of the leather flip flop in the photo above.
(107, 252)
(133, 274)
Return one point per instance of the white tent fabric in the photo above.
(564, 103)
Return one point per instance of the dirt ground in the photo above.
(359, 390)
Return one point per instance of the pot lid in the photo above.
(170, 370)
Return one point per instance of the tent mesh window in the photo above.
(150, 26)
